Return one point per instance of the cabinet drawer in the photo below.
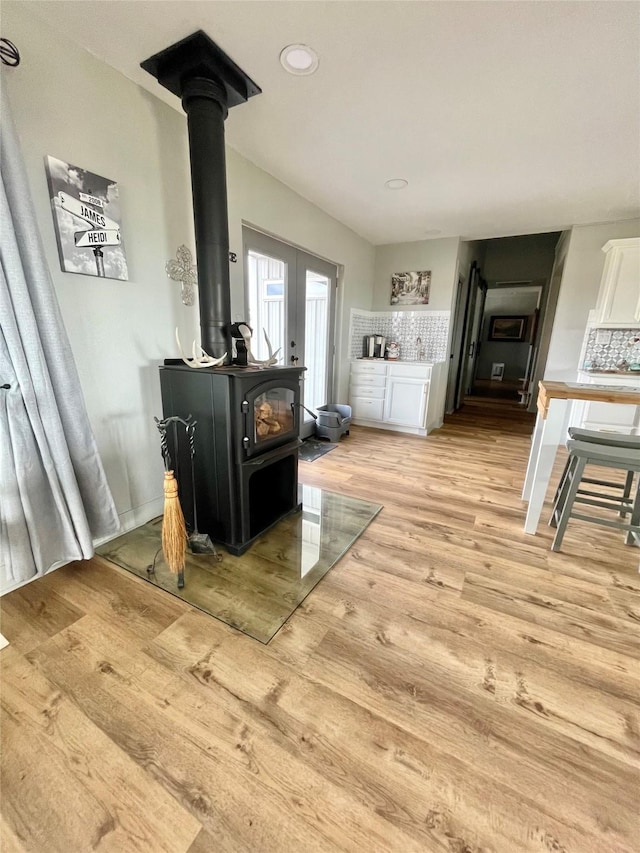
(370, 380)
(410, 371)
(363, 390)
(369, 367)
(365, 407)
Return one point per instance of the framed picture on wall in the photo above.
(86, 217)
(410, 288)
(512, 329)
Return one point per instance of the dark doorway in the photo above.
(505, 340)
(501, 321)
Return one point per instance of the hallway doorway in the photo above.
(503, 307)
(505, 342)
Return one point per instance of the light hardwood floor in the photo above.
(451, 685)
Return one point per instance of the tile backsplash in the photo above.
(405, 327)
(608, 349)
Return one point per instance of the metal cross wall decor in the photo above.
(184, 270)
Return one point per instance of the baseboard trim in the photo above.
(135, 517)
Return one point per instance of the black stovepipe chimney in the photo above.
(208, 82)
(206, 111)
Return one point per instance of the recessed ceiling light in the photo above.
(396, 184)
(299, 59)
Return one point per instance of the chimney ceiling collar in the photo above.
(198, 55)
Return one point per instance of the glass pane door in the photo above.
(290, 296)
(316, 338)
(267, 293)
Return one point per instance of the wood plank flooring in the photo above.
(451, 685)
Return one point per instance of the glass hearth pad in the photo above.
(257, 592)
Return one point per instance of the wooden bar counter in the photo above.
(554, 399)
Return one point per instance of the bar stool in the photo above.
(610, 439)
(581, 454)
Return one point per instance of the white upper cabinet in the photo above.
(619, 296)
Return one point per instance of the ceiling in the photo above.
(505, 118)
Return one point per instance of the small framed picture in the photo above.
(513, 329)
(410, 288)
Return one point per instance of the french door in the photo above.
(290, 296)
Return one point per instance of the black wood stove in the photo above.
(246, 447)
(246, 441)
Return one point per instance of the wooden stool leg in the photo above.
(567, 506)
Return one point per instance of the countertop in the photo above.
(396, 360)
(604, 393)
(595, 372)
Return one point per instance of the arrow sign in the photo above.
(97, 237)
(83, 211)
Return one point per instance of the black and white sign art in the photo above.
(86, 215)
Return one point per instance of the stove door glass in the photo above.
(273, 414)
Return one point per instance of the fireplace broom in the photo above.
(174, 532)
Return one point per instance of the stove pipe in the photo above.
(209, 83)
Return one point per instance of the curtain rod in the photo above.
(9, 53)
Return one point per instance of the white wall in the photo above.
(512, 300)
(583, 267)
(439, 256)
(69, 104)
(258, 199)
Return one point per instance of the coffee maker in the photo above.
(373, 346)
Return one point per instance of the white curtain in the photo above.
(54, 497)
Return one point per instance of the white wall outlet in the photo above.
(603, 336)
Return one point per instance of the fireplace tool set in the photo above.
(174, 533)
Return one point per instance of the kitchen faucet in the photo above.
(420, 349)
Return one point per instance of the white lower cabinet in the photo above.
(400, 396)
(607, 417)
(405, 401)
